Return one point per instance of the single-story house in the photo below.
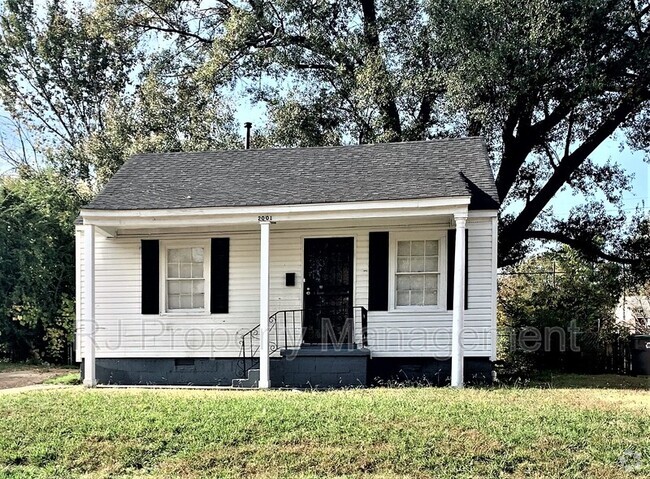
(291, 267)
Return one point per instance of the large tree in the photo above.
(546, 82)
(58, 72)
(37, 211)
(87, 92)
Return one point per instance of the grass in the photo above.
(380, 433)
(597, 381)
(70, 379)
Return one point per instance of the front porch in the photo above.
(310, 348)
(322, 280)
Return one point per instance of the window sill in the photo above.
(422, 309)
(180, 314)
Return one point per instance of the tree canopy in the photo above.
(545, 84)
(556, 310)
(37, 282)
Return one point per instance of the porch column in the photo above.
(89, 307)
(265, 380)
(459, 303)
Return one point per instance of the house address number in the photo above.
(265, 218)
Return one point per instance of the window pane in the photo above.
(416, 289)
(173, 301)
(173, 256)
(186, 270)
(431, 263)
(172, 270)
(430, 298)
(197, 270)
(417, 256)
(431, 289)
(186, 301)
(417, 248)
(431, 281)
(198, 300)
(197, 255)
(403, 248)
(416, 298)
(197, 287)
(173, 287)
(403, 264)
(185, 255)
(403, 298)
(403, 282)
(417, 282)
(417, 264)
(410, 289)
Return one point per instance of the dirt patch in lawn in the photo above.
(28, 377)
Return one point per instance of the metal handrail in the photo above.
(249, 351)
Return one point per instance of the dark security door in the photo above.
(328, 290)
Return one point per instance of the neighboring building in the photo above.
(633, 312)
(301, 267)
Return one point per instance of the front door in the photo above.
(328, 290)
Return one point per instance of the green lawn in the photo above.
(427, 432)
(69, 379)
(596, 381)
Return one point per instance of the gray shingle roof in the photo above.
(386, 171)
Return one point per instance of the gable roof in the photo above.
(385, 171)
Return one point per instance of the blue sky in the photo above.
(631, 161)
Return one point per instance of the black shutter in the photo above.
(150, 277)
(466, 268)
(378, 272)
(219, 274)
(451, 260)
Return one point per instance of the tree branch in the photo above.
(388, 106)
(515, 148)
(568, 166)
(183, 33)
(314, 66)
(587, 247)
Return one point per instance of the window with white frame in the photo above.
(185, 281)
(417, 272)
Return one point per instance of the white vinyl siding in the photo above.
(122, 331)
(412, 333)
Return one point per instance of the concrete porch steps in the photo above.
(313, 367)
(249, 382)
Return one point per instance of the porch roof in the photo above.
(341, 174)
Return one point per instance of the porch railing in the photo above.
(286, 331)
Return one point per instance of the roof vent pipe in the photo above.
(247, 140)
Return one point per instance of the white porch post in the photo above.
(265, 380)
(89, 307)
(459, 303)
